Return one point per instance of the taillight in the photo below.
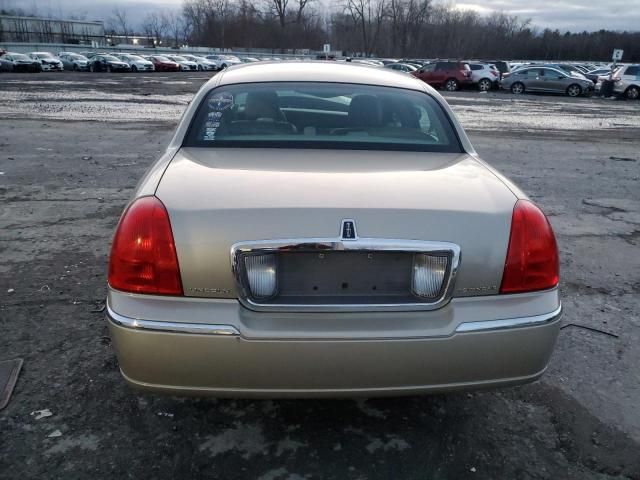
(532, 258)
(143, 255)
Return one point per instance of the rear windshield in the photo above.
(321, 115)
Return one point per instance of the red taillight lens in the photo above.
(143, 255)
(532, 259)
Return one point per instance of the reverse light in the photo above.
(262, 275)
(428, 274)
(532, 258)
(143, 255)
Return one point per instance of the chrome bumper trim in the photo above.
(172, 327)
(488, 325)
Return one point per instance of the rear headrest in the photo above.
(263, 104)
(365, 111)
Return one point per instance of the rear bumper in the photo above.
(222, 359)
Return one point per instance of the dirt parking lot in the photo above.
(72, 147)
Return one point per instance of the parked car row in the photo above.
(572, 79)
(91, 61)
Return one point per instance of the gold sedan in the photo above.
(317, 229)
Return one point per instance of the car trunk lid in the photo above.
(219, 197)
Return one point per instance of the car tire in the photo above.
(75, 67)
(484, 85)
(92, 67)
(200, 68)
(632, 93)
(224, 65)
(109, 70)
(574, 90)
(134, 69)
(517, 88)
(451, 85)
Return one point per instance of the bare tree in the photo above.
(368, 16)
(280, 9)
(155, 25)
(120, 23)
(174, 22)
(410, 28)
(301, 6)
(407, 18)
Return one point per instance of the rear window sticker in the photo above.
(221, 101)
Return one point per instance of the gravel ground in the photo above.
(72, 147)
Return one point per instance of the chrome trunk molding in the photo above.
(240, 249)
(170, 327)
(507, 323)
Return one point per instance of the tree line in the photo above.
(382, 28)
(391, 28)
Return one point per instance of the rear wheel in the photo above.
(200, 68)
(517, 88)
(75, 67)
(134, 68)
(224, 65)
(484, 85)
(632, 93)
(574, 90)
(92, 67)
(451, 85)
(109, 68)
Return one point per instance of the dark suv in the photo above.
(449, 75)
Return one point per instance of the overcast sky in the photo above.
(574, 15)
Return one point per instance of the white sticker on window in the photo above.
(221, 101)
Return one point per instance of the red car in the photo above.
(163, 64)
(450, 75)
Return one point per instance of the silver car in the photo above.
(316, 230)
(74, 61)
(136, 62)
(546, 80)
(627, 81)
(203, 63)
(185, 65)
(47, 61)
(401, 67)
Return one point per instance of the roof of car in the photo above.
(316, 71)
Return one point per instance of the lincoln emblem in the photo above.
(349, 230)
